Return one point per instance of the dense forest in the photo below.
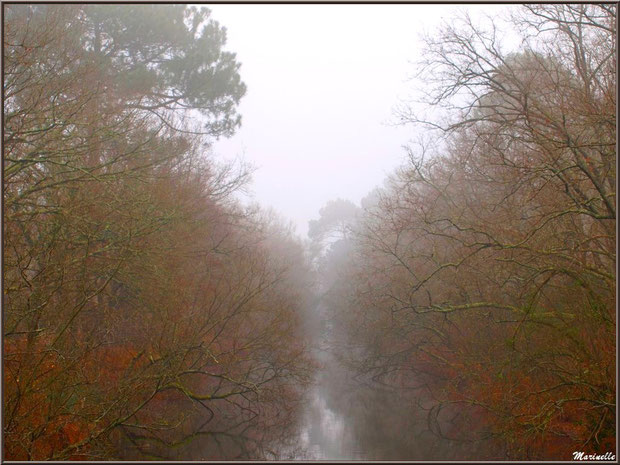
(143, 306)
(466, 309)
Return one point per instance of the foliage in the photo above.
(483, 283)
(143, 308)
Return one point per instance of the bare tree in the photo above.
(486, 275)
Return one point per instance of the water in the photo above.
(326, 433)
(346, 419)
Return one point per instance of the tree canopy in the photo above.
(146, 313)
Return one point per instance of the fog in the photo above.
(309, 232)
(323, 81)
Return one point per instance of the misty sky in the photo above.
(322, 84)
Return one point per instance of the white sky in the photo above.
(322, 84)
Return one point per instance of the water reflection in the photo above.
(322, 435)
(350, 418)
(325, 432)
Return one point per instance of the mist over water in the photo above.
(325, 431)
(348, 419)
(347, 415)
(356, 408)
